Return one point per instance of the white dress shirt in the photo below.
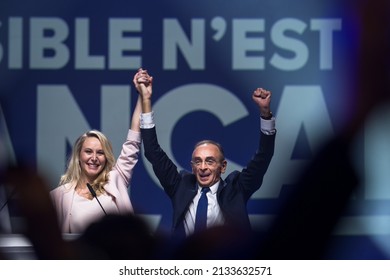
(214, 213)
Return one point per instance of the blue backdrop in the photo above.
(66, 66)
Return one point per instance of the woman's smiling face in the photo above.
(92, 158)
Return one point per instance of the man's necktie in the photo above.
(201, 211)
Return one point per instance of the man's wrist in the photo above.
(147, 120)
(266, 116)
(267, 126)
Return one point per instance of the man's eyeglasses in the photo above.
(207, 161)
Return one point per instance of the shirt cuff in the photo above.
(147, 120)
(267, 126)
(134, 136)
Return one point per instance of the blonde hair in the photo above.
(73, 171)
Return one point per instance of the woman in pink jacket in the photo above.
(94, 184)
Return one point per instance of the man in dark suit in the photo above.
(226, 199)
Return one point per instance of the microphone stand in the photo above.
(92, 191)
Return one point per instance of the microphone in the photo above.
(92, 191)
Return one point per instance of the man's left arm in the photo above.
(251, 177)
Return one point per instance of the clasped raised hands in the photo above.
(143, 83)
